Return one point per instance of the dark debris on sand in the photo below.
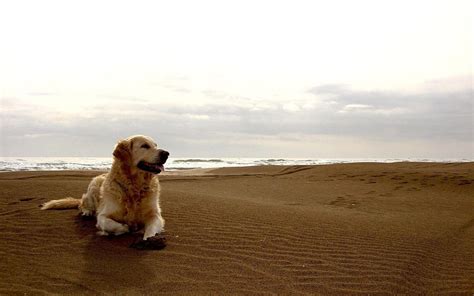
(152, 243)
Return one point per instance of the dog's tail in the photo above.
(60, 204)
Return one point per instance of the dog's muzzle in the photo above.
(157, 166)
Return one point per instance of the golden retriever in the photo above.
(126, 198)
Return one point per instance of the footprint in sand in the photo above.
(20, 200)
(337, 201)
(377, 176)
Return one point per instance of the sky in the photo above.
(319, 79)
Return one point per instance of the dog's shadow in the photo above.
(109, 262)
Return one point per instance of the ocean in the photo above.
(173, 164)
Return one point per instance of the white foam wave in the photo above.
(101, 163)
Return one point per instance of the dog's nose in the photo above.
(163, 155)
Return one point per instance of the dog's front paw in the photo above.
(119, 229)
(102, 233)
(122, 229)
(87, 213)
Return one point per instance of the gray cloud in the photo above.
(442, 114)
(239, 128)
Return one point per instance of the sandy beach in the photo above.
(365, 228)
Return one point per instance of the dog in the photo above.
(126, 198)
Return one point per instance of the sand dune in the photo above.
(335, 229)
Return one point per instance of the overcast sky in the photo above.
(238, 79)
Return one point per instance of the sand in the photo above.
(335, 229)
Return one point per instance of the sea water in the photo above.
(104, 163)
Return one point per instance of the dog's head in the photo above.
(141, 152)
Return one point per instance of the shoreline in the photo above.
(177, 164)
(200, 170)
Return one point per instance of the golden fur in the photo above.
(126, 198)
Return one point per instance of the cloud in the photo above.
(356, 108)
(245, 125)
(368, 109)
(291, 107)
(115, 97)
(439, 97)
(197, 116)
(337, 89)
(423, 113)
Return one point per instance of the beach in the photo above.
(359, 228)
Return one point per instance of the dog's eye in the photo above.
(146, 146)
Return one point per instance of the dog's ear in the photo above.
(123, 151)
